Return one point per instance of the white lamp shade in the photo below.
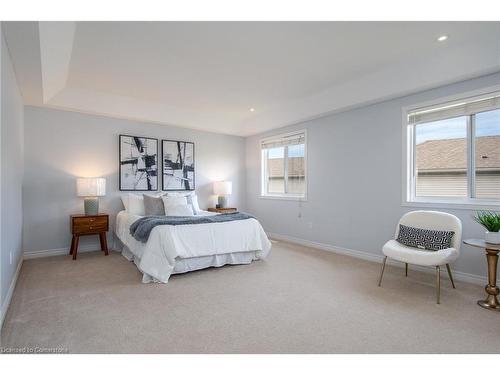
(223, 187)
(90, 187)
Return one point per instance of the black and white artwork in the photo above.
(178, 165)
(138, 163)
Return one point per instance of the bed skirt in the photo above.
(183, 265)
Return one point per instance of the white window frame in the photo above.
(408, 165)
(263, 169)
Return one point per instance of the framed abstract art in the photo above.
(178, 165)
(138, 163)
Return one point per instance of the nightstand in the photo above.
(226, 210)
(82, 225)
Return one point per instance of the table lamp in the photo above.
(91, 189)
(223, 189)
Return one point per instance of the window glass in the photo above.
(441, 158)
(296, 169)
(454, 151)
(487, 154)
(284, 166)
(276, 170)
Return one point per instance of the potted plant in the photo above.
(491, 221)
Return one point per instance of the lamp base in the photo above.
(91, 206)
(222, 201)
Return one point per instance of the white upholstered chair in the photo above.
(427, 220)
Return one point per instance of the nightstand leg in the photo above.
(75, 248)
(72, 245)
(104, 244)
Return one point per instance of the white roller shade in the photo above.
(292, 139)
(457, 108)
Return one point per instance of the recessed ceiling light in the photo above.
(252, 109)
(442, 38)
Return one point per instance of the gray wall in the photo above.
(61, 146)
(354, 179)
(11, 172)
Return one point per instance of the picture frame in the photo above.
(178, 165)
(138, 163)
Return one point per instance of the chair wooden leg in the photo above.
(382, 271)
(451, 277)
(406, 269)
(438, 284)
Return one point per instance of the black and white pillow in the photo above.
(424, 238)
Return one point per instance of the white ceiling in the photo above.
(207, 75)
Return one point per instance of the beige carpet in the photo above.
(299, 300)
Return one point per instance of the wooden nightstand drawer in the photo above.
(90, 224)
(90, 220)
(79, 228)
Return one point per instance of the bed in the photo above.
(182, 248)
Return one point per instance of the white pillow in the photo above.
(135, 205)
(179, 210)
(173, 200)
(193, 199)
(172, 205)
(196, 206)
(180, 193)
(124, 198)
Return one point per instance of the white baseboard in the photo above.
(462, 276)
(61, 251)
(10, 292)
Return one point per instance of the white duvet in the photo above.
(168, 244)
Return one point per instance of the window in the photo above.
(284, 166)
(454, 151)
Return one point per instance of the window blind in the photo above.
(288, 140)
(464, 107)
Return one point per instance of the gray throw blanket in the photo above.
(141, 228)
